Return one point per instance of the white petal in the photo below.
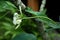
(19, 21)
(15, 17)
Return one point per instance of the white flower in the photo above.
(19, 21)
(16, 19)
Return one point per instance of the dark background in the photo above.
(53, 9)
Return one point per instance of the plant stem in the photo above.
(20, 10)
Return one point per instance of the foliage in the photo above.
(27, 29)
(43, 18)
(25, 36)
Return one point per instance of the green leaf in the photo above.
(3, 14)
(6, 5)
(35, 12)
(6, 23)
(9, 3)
(8, 26)
(43, 18)
(25, 36)
(49, 22)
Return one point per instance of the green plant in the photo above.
(13, 22)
